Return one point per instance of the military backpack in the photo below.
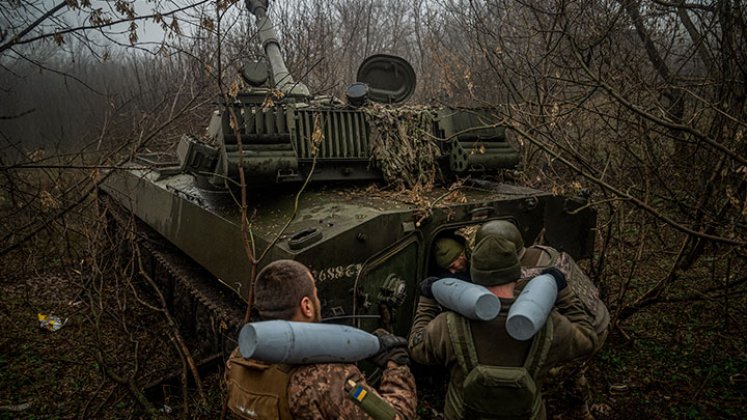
(498, 392)
(258, 390)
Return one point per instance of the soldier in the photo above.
(451, 259)
(485, 363)
(285, 289)
(534, 260)
(539, 257)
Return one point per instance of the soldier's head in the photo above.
(449, 255)
(502, 229)
(494, 262)
(285, 289)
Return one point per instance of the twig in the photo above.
(185, 389)
(82, 414)
(622, 331)
(30, 166)
(16, 408)
(176, 337)
(16, 38)
(103, 403)
(638, 202)
(653, 294)
(647, 115)
(633, 267)
(247, 238)
(84, 196)
(19, 115)
(17, 41)
(429, 209)
(128, 383)
(702, 385)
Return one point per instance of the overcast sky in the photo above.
(14, 19)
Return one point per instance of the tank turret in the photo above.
(283, 131)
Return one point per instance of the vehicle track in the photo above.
(208, 315)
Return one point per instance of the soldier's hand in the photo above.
(392, 348)
(558, 275)
(426, 286)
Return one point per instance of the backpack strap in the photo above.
(460, 334)
(539, 350)
(552, 252)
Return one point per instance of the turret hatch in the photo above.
(390, 79)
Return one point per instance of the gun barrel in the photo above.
(270, 44)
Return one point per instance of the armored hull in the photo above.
(366, 247)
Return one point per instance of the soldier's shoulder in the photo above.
(437, 327)
(441, 319)
(546, 248)
(544, 253)
(316, 371)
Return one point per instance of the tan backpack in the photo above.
(258, 390)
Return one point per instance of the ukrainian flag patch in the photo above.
(359, 393)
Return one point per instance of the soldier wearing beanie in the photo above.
(567, 335)
(451, 259)
(536, 258)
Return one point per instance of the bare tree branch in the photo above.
(15, 39)
(641, 204)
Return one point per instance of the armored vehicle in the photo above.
(358, 190)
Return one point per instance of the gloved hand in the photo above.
(393, 348)
(558, 276)
(425, 286)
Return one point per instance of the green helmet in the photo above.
(502, 229)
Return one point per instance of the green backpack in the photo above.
(498, 392)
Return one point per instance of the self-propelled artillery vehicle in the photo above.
(313, 173)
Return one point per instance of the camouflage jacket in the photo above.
(318, 391)
(429, 342)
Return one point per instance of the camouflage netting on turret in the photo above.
(403, 145)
